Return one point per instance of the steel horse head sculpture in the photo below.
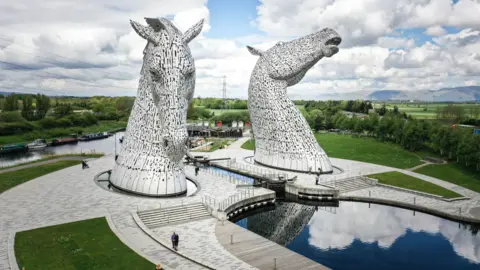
(283, 138)
(150, 162)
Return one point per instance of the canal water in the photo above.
(106, 146)
(368, 236)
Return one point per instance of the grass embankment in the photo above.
(217, 144)
(11, 179)
(97, 155)
(54, 133)
(453, 173)
(399, 179)
(86, 244)
(362, 149)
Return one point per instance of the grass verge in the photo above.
(50, 157)
(49, 134)
(362, 149)
(399, 179)
(86, 244)
(9, 180)
(454, 174)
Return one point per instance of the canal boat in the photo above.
(13, 148)
(63, 141)
(38, 144)
(94, 136)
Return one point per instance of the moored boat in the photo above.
(38, 144)
(13, 148)
(94, 136)
(62, 141)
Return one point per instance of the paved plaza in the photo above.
(71, 195)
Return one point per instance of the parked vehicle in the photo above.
(13, 148)
(38, 144)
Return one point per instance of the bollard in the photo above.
(369, 193)
(414, 199)
(460, 211)
(274, 263)
(231, 239)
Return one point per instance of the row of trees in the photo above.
(217, 103)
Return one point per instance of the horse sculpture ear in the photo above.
(144, 31)
(254, 51)
(193, 32)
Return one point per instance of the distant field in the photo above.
(423, 110)
(220, 112)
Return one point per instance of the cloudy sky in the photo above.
(87, 47)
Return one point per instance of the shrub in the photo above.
(10, 117)
(64, 122)
(48, 122)
(14, 128)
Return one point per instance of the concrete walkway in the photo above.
(71, 195)
(419, 166)
(35, 164)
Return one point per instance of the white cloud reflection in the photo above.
(383, 225)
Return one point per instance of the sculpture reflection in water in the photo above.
(156, 136)
(357, 231)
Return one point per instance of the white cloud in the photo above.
(87, 47)
(436, 30)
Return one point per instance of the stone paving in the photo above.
(198, 240)
(71, 195)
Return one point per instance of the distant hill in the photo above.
(454, 94)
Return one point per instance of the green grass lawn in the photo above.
(11, 179)
(86, 244)
(54, 157)
(363, 149)
(217, 143)
(220, 112)
(49, 134)
(399, 179)
(249, 145)
(453, 173)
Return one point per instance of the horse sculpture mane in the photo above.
(150, 162)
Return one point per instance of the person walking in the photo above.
(176, 241)
(317, 178)
(84, 165)
(173, 240)
(197, 169)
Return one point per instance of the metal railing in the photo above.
(214, 204)
(234, 179)
(237, 197)
(256, 170)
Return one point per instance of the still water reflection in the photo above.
(368, 236)
(106, 146)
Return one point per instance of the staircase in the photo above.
(351, 184)
(173, 215)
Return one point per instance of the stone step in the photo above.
(174, 215)
(170, 207)
(165, 222)
(171, 211)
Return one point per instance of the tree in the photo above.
(382, 111)
(395, 110)
(11, 103)
(63, 109)
(27, 109)
(43, 105)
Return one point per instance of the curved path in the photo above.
(71, 195)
